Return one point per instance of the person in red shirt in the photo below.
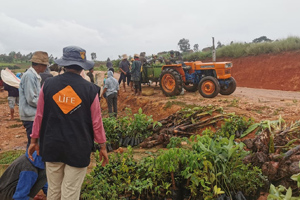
(68, 121)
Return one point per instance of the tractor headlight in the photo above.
(228, 65)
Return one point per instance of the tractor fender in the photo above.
(178, 68)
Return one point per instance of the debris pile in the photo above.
(183, 123)
(276, 151)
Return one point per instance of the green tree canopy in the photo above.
(184, 44)
(262, 39)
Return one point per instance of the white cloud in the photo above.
(50, 36)
(111, 28)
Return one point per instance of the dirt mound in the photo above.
(267, 71)
(149, 104)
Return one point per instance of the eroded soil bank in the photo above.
(268, 71)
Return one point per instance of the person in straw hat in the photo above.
(136, 74)
(125, 73)
(29, 90)
(68, 121)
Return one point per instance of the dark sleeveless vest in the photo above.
(67, 134)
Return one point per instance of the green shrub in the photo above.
(209, 168)
(197, 56)
(135, 125)
(234, 124)
(234, 50)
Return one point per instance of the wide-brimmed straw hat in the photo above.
(124, 56)
(136, 55)
(40, 57)
(73, 55)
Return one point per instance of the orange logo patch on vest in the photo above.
(82, 54)
(67, 99)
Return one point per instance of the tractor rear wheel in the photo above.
(231, 87)
(209, 87)
(170, 82)
(190, 87)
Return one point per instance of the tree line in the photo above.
(14, 57)
(184, 44)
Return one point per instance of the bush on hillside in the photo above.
(236, 50)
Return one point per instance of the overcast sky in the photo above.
(114, 27)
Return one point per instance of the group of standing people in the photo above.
(132, 73)
(62, 120)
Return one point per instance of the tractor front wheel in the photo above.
(209, 87)
(170, 82)
(227, 90)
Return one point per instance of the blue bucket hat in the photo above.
(73, 55)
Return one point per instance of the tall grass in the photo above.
(237, 50)
(197, 56)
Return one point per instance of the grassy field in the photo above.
(15, 67)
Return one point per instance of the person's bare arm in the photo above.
(105, 89)
(99, 132)
(34, 146)
(103, 156)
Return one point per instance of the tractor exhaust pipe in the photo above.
(213, 50)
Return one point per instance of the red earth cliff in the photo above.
(268, 71)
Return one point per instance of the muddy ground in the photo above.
(260, 104)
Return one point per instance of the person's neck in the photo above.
(73, 71)
(36, 69)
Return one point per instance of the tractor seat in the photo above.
(186, 67)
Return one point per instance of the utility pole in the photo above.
(213, 50)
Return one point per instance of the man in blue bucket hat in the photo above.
(68, 121)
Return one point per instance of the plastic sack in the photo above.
(10, 78)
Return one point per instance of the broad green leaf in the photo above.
(250, 129)
(288, 193)
(217, 190)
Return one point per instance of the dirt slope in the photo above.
(268, 71)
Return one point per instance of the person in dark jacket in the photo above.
(68, 121)
(91, 75)
(109, 64)
(13, 98)
(125, 72)
(45, 75)
(136, 74)
(23, 179)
